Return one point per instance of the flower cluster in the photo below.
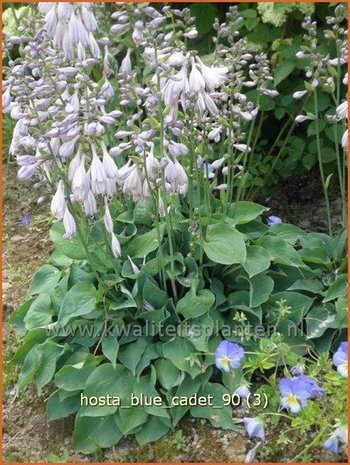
(167, 120)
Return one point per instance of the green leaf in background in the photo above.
(205, 14)
(283, 70)
(315, 127)
(224, 244)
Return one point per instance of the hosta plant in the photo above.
(164, 279)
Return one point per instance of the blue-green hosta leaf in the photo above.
(288, 232)
(33, 337)
(79, 300)
(261, 286)
(40, 312)
(244, 212)
(337, 289)
(141, 245)
(219, 417)
(45, 279)
(146, 387)
(17, 317)
(93, 433)
(195, 304)
(153, 430)
(31, 365)
(51, 352)
(153, 294)
(224, 244)
(72, 248)
(299, 304)
(180, 352)
(107, 380)
(110, 348)
(167, 374)
(130, 419)
(60, 408)
(258, 260)
(130, 354)
(319, 319)
(280, 251)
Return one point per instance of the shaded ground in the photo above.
(27, 436)
(300, 201)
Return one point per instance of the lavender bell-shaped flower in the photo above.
(70, 25)
(97, 174)
(107, 218)
(110, 167)
(90, 205)
(58, 202)
(69, 224)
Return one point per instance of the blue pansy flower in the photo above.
(254, 427)
(332, 444)
(340, 359)
(271, 220)
(228, 356)
(312, 387)
(296, 391)
(339, 436)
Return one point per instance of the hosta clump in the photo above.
(164, 281)
(130, 336)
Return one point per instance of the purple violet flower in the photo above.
(338, 437)
(271, 220)
(340, 359)
(25, 220)
(254, 428)
(295, 392)
(228, 356)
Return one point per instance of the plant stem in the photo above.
(311, 444)
(320, 163)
